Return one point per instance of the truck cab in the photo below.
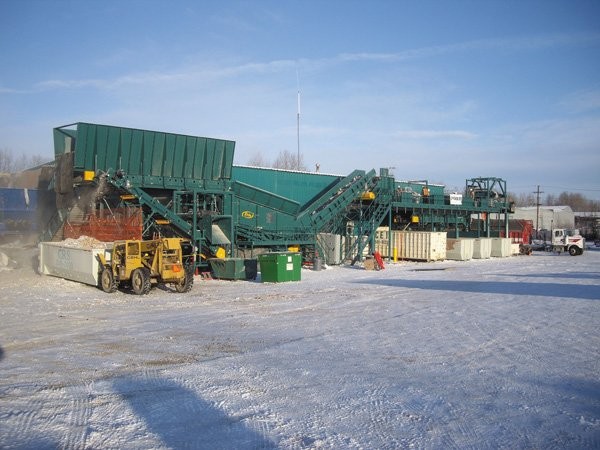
(567, 240)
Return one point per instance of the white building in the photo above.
(549, 216)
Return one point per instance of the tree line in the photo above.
(576, 201)
(9, 163)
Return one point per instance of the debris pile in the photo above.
(84, 242)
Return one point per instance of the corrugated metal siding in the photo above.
(158, 157)
(298, 186)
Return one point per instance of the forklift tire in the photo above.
(140, 281)
(107, 280)
(186, 283)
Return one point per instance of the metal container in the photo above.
(411, 245)
(251, 268)
(501, 247)
(482, 248)
(228, 268)
(71, 263)
(19, 209)
(317, 264)
(149, 158)
(331, 246)
(459, 249)
(278, 267)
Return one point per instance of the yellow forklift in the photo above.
(139, 264)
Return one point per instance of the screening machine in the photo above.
(117, 183)
(184, 188)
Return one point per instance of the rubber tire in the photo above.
(107, 280)
(186, 283)
(573, 251)
(140, 281)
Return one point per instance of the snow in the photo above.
(497, 353)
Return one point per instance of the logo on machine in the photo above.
(247, 214)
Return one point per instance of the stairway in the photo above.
(370, 218)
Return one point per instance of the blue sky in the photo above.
(439, 90)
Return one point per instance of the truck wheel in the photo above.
(107, 280)
(140, 281)
(186, 283)
(573, 250)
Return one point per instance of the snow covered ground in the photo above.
(499, 353)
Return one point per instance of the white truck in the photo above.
(564, 240)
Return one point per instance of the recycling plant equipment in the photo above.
(117, 183)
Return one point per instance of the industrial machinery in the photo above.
(140, 263)
(116, 183)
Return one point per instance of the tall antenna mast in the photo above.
(298, 119)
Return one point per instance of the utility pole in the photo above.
(298, 131)
(298, 119)
(537, 217)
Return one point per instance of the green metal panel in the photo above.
(217, 160)
(208, 162)
(190, 151)
(228, 159)
(99, 159)
(112, 158)
(158, 153)
(135, 157)
(264, 198)
(125, 138)
(79, 160)
(298, 186)
(63, 141)
(199, 156)
(180, 157)
(148, 158)
(147, 145)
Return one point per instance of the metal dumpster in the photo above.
(228, 268)
(72, 263)
(278, 267)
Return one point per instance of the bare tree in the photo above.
(258, 160)
(550, 200)
(8, 162)
(522, 199)
(288, 160)
(576, 201)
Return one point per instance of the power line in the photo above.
(573, 189)
(558, 187)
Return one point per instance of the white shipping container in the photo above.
(412, 245)
(482, 248)
(77, 264)
(459, 249)
(501, 247)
